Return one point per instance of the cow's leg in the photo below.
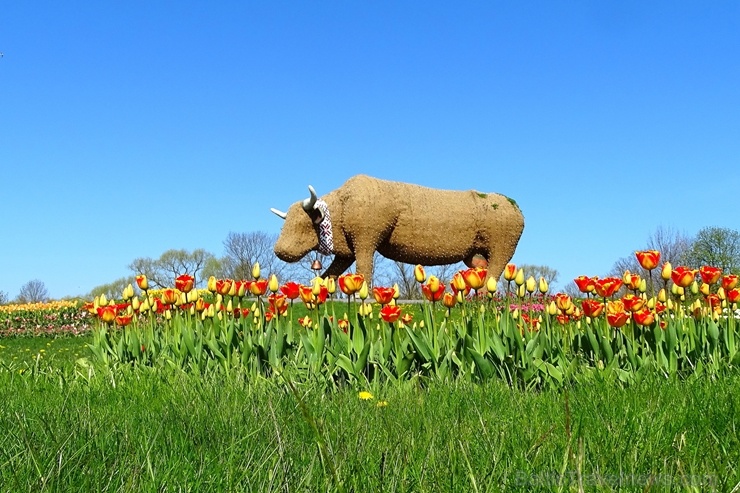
(338, 266)
(498, 258)
(364, 255)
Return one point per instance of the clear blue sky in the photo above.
(130, 128)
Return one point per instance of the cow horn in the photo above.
(282, 214)
(309, 203)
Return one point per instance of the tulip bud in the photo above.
(459, 296)
(316, 286)
(212, 284)
(704, 289)
(256, 270)
(229, 307)
(433, 284)
(491, 285)
(531, 284)
(665, 273)
(694, 288)
(273, 285)
(211, 311)
(103, 300)
(168, 314)
(626, 276)
(232, 289)
(552, 308)
(662, 296)
(135, 303)
(643, 286)
(520, 291)
(543, 285)
(721, 293)
(396, 291)
(419, 274)
(364, 291)
(510, 272)
(331, 285)
(519, 279)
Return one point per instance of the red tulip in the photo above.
(733, 295)
(350, 284)
(709, 274)
(683, 276)
(607, 287)
(107, 314)
(430, 295)
(291, 290)
(632, 302)
(592, 308)
(223, 286)
(259, 287)
(585, 284)
(449, 300)
(644, 316)
(475, 277)
(124, 320)
(729, 281)
(169, 296)
(648, 259)
(616, 315)
(390, 313)
(563, 302)
(184, 283)
(383, 295)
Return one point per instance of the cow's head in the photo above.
(299, 235)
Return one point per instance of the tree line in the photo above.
(716, 246)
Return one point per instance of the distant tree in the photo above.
(4, 298)
(718, 247)
(114, 290)
(673, 247)
(33, 292)
(162, 272)
(243, 250)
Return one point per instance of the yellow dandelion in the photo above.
(365, 395)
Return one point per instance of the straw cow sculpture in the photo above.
(403, 222)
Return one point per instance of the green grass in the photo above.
(51, 351)
(157, 431)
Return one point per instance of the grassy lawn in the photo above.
(158, 431)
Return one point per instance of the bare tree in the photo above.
(33, 292)
(673, 246)
(243, 250)
(162, 272)
(3, 298)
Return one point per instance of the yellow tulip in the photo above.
(256, 270)
(364, 291)
(419, 274)
(665, 273)
(274, 285)
(491, 285)
(531, 284)
(519, 279)
(543, 285)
